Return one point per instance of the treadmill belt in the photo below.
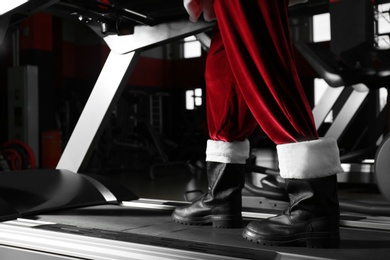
(155, 227)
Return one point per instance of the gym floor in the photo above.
(178, 182)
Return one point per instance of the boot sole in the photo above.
(309, 240)
(214, 220)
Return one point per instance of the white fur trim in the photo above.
(311, 159)
(227, 152)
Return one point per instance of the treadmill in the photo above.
(65, 214)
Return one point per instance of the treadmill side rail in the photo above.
(23, 236)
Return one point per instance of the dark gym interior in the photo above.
(104, 129)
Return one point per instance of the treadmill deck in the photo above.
(155, 227)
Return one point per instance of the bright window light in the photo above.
(8, 5)
(383, 19)
(383, 41)
(198, 97)
(193, 98)
(190, 100)
(192, 47)
(321, 27)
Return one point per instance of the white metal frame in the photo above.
(119, 65)
(19, 238)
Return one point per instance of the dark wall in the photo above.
(5, 62)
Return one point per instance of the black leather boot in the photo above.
(311, 220)
(221, 205)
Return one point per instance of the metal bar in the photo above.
(148, 36)
(329, 98)
(348, 111)
(105, 93)
(73, 246)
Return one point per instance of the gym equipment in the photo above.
(3, 164)
(23, 114)
(134, 138)
(83, 217)
(19, 155)
(382, 167)
(355, 68)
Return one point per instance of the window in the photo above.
(193, 98)
(383, 25)
(191, 48)
(321, 27)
